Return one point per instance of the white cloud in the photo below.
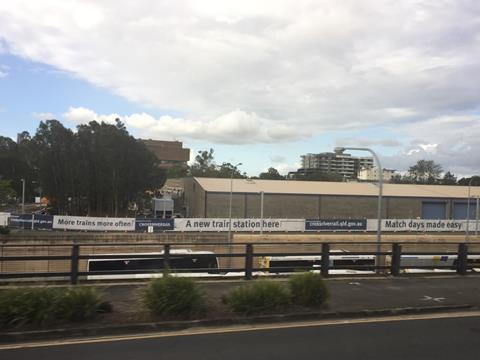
(451, 141)
(285, 168)
(3, 68)
(269, 71)
(43, 115)
(359, 141)
(81, 115)
(235, 127)
(276, 159)
(319, 64)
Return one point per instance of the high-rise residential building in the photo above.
(334, 163)
(371, 174)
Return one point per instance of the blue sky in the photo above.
(32, 91)
(261, 83)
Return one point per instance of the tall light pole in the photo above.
(380, 193)
(230, 214)
(467, 230)
(23, 196)
(476, 216)
(262, 193)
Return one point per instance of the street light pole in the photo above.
(380, 194)
(230, 214)
(467, 230)
(476, 216)
(23, 196)
(261, 211)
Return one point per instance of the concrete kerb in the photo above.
(166, 326)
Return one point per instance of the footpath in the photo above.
(349, 297)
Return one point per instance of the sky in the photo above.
(260, 82)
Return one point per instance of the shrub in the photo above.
(308, 289)
(43, 306)
(262, 296)
(35, 306)
(174, 297)
(79, 303)
(4, 230)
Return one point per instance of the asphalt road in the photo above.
(440, 338)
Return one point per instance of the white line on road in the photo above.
(240, 328)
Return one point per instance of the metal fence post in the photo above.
(166, 258)
(325, 259)
(396, 259)
(74, 264)
(462, 259)
(248, 261)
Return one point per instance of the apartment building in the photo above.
(335, 162)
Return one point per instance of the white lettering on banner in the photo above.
(93, 223)
(214, 224)
(421, 225)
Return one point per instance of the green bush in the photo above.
(43, 306)
(4, 230)
(308, 289)
(78, 303)
(174, 297)
(263, 296)
(34, 306)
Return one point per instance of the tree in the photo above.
(320, 176)
(271, 174)
(15, 164)
(425, 171)
(449, 179)
(466, 180)
(176, 172)
(57, 156)
(204, 165)
(117, 169)
(227, 170)
(6, 192)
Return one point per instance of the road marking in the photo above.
(239, 328)
(429, 298)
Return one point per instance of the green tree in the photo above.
(6, 191)
(271, 174)
(204, 165)
(466, 180)
(57, 156)
(320, 176)
(449, 179)
(15, 165)
(176, 172)
(225, 171)
(402, 179)
(425, 171)
(117, 169)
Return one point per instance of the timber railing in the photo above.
(395, 259)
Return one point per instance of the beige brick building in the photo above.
(206, 197)
(169, 153)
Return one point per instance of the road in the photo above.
(456, 337)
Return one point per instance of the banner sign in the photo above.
(420, 225)
(336, 225)
(24, 221)
(4, 218)
(156, 224)
(93, 223)
(267, 225)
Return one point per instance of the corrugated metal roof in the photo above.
(334, 188)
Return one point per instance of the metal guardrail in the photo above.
(395, 253)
